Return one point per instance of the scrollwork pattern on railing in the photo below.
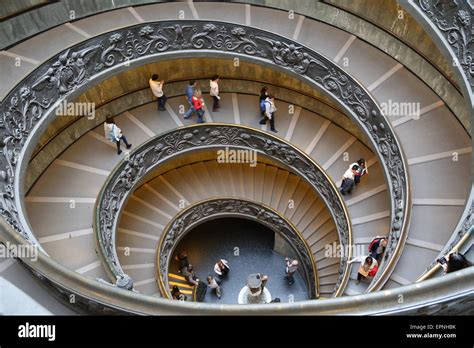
(454, 20)
(32, 101)
(223, 207)
(155, 151)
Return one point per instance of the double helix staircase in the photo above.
(60, 204)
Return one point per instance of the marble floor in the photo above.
(248, 246)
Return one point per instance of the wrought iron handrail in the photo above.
(450, 27)
(451, 294)
(143, 160)
(209, 209)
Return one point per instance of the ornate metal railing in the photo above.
(28, 108)
(450, 25)
(207, 210)
(144, 159)
(447, 295)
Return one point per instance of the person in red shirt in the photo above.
(198, 104)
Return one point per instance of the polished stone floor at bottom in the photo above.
(248, 246)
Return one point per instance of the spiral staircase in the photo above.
(61, 194)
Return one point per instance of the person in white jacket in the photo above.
(214, 92)
(114, 133)
(156, 87)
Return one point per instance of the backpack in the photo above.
(372, 243)
(262, 105)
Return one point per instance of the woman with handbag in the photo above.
(368, 267)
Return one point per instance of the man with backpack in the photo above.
(377, 247)
(269, 113)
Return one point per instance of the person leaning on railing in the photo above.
(453, 262)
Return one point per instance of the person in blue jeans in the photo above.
(189, 96)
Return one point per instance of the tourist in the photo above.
(198, 103)
(263, 96)
(377, 247)
(368, 267)
(188, 273)
(189, 96)
(348, 183)
(222, 267)
(214, 92)
(156, 87)
(182, 259)
(264, 279)
(361, 170)
(453, 262)
(177, 294)
(290, 270)
(269, 113)
(213, 284)
(114, 133)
